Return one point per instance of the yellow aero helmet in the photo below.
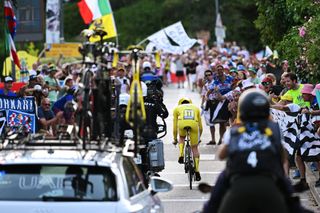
(185, 101)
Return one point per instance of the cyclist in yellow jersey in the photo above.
(187, 114)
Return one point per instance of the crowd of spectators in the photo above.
(219, 74)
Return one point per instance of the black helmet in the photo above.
(254, 105)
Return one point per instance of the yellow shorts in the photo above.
(194, 132)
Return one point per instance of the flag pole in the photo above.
(3, 23)
(141, 42)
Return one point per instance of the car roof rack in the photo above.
(41, 142)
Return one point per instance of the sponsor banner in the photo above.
(65, 49)
(18, 112)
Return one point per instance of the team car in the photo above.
(53, 176)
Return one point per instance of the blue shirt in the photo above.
(10, 94)
(223, 87)
(148, 77)
(59, 104)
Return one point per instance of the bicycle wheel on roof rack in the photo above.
(86, 115)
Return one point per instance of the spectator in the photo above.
(307, 95)
(28, 89)
(205, 104)
(262, 71)
(200, 69)
(47, 119)
(38, 94)
(286, 104)
(294, 89)
(274, 68)
(64, 105)
(233, 105)
(53, 84)
(6, 91)
(68, 83)
(147, 75)
(192, 74)
(219, 112)
(125, 83)
(179, 72)
(253, 76)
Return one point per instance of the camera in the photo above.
(154, 91)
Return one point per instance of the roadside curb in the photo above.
(312, 177)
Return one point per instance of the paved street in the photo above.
(181, 198)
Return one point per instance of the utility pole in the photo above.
(217, 8)
(61, 22)
(219, 28)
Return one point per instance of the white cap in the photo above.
(8, 79)
(124, 99)
(246, 84)
(146, 64)
(144, 89)
(37, 87)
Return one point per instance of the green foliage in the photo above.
(73, 23)
(137, 21)
(238, 16)
(279, 22)
(273, 21)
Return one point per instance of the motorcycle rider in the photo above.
(255, 159)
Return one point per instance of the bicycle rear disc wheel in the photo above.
(190, 168)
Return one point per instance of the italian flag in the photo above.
(93, 9)
(99, 14)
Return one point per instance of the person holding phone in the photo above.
(125, 83)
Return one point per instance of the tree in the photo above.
(292, 27)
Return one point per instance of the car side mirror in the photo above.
(158, 184)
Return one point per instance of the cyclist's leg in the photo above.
(194, 140)
(182, 136)
(181, 145)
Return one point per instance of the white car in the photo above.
(62, 179)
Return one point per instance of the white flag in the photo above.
(177, 33)
(161, 41)
(268, 52)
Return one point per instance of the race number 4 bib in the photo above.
(188, 114)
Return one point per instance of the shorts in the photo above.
(179, 73)
(193, 78)
(194, 132)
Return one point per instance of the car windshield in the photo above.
(57, 183)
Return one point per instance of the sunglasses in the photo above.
(265, 83)
(208, 75)
(46, 104)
